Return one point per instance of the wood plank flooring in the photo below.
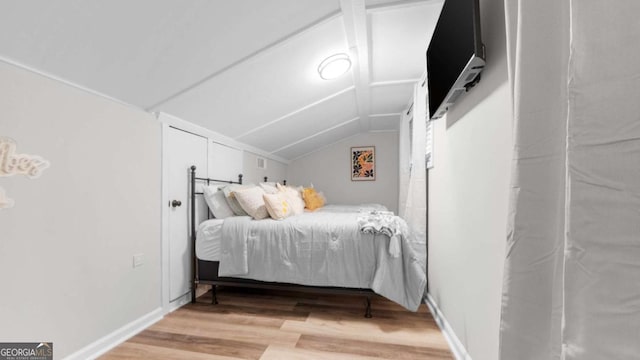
(270, 325)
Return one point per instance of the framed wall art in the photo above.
(363, 163)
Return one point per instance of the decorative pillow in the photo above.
(312, 200)
(294, 198)
(269, 188)
(252, 202)
(277, 205)
(231, 199)
(217, 202)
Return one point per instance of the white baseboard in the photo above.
(178, 303)
(108, 342)
(455, 344)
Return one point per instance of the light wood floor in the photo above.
(268, 325)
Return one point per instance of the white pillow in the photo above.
(252, 202)
(269, 188)
(217, 202)
(277, 205)
(294, 198)
(229, 193)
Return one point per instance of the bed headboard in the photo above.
(193, 178)
(266, 179)
(192, 182)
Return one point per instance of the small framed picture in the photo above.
(363, 163)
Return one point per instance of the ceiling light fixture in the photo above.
(334, 66)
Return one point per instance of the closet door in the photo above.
(225, 162)
(184, 149)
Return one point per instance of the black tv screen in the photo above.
(455, 56)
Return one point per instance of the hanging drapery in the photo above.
(532, 290)
(404, 158)
(602, 267)
(413, 186)
(572, 273)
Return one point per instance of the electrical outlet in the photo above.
(138, 260)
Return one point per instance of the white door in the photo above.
(184, 150)
(225, 163)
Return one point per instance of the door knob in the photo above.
(176, 203)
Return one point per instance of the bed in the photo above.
(326, 251)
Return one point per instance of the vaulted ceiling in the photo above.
(244, 68)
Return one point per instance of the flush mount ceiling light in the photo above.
(334, 66)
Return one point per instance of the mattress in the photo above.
(208, 238)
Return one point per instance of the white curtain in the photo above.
(404, 159)
(572, 273)
(413, 186)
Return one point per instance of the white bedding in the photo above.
(322, 248)
(208, 238)
(209, 233)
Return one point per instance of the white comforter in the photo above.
(322, 248)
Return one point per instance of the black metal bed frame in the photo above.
(206, 272)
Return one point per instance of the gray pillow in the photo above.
(217, 202)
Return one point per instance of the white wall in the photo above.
(468, 198)
(66, 247)
(329, 171)
(275, 171)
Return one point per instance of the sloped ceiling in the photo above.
(244, 68)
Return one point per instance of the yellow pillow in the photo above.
(277, 206)
(312, 200)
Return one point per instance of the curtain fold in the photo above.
(404, 160)
(602, 266)
(572, 271)
(532, 288)
(413, 177)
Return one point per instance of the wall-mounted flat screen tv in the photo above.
(455, 56)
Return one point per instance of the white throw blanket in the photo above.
(385, 223)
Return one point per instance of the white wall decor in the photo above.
(12, 163)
